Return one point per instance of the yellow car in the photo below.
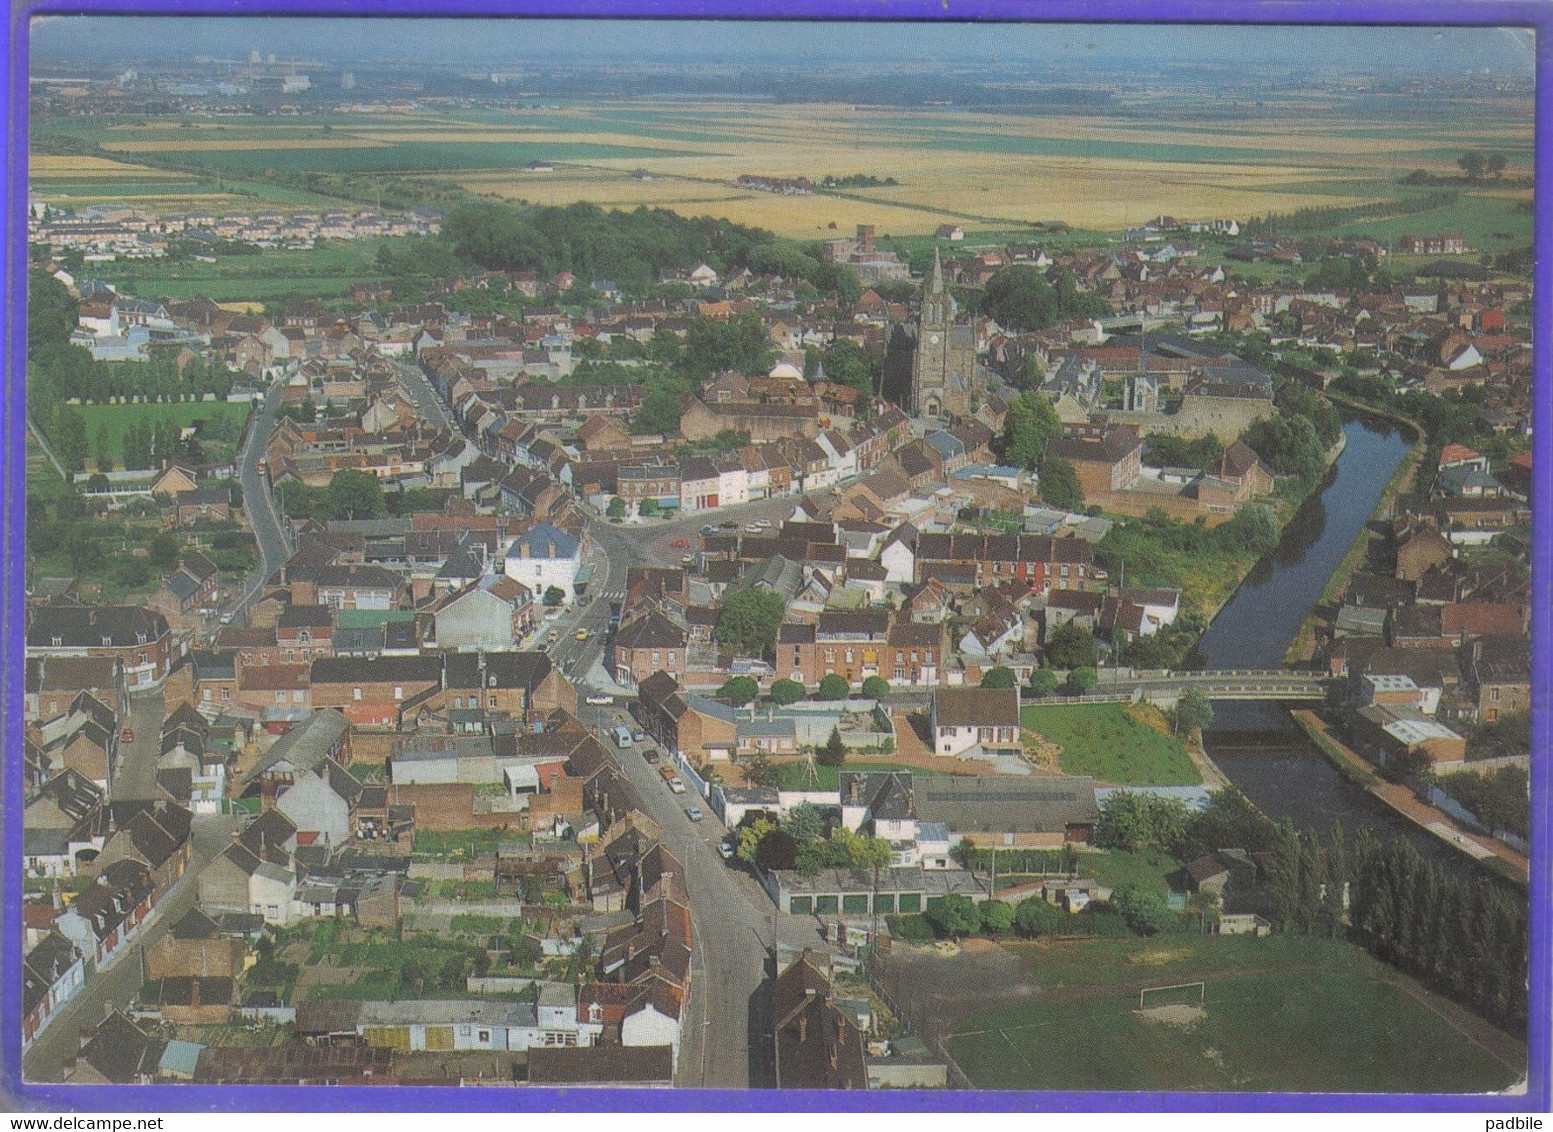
(582, 634)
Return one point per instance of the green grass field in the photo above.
(1112, 744)
(329, 269)
(1478, 218)
(1280, 1014)
(119, 418)
(43, 479)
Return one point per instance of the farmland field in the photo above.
(983, 170)
(326, 270)
(1269, 1021)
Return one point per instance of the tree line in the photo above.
(1317, 219)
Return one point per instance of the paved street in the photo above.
(263, 516)
(733, 920)
(425, 397)
(134, 779)
(121, 978)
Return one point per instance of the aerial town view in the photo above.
(572, 554)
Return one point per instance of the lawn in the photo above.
(1114, 743)
(43, 479)
(117, 419)
(1280, 1014)
(1113, 868)
(464, 842)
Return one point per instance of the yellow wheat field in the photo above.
(55, 166)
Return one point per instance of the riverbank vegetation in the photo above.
(1121, 744)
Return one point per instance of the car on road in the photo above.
(709, 530)
(725, 850)
(582, 634)
(761, 523)
(651, 755)
(600, 700)
(688, 560)
(752, 529)
(638, 734)
(680, 543)
(555, 635)
(729, 526)
(694, 813)
(127, 735)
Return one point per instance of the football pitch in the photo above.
(1339, 1021)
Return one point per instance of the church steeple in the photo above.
(937, 284)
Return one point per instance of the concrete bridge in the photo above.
(1253, 684)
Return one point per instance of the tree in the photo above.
(999, 676)
(954, 916)
(1043, 682)
(1072, 646)
(1144, 909)
(1081, 680)
(833, 687)
(785, 692)
(804, 823)
(739, 691)
(354, 494)
(616, 508)
(1205, 905)
(554, 596)
(1472, 165)
(749, 621)
(1137, 822)
(647, 508)
(1059, 484)
(1193, 712)
(1034, 917)
(658, 414)
(750, 837)
(69, 437)
(997, 917)
(164, 551)
(777, 850)
(1030, 423)
(876, 688)
(104, 453)
(834, 752)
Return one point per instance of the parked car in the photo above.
(694, 813)
(680, 544)
(598, 700)
(709, 530)
(582, 634)
(752, 529)
(688, 560)
(127, 735)
(638, 734)
(725, 850)
(729, 526)
(651, 755)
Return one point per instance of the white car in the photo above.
(693, 813)
(725, 850)
(600, 700)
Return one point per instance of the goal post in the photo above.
(1174, 994)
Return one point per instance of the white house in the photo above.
(967, 718)
(703, 276)
(653, 1021)
(544, 557)
(899, 556)
(315, 804)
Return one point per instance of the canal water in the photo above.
(1257, 745)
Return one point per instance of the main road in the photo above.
(263, 516)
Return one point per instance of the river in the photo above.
(1258, 745)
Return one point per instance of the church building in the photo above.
(944, 381)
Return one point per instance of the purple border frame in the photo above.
(284, 1098)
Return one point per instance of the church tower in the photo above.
(943, 366)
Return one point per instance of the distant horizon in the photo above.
(124, 40)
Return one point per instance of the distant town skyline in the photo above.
(1500, 52)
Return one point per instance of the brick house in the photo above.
(1106, 458)
(140, 639)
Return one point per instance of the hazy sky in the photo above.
(1501, 51)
